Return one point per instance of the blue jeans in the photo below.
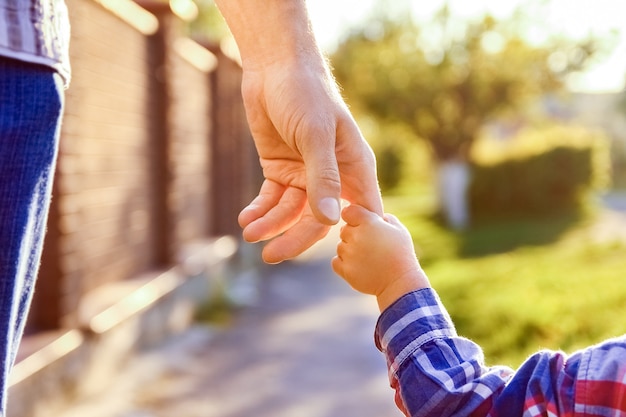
(31, 106)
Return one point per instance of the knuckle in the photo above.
(329, 175)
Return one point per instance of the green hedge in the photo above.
(537, 173)
(389, 167)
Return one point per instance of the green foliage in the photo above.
(517, 286)
(401, 158)
(389, 165)
(540, 172)
(219, 309)
(561, 296)
(209, 24)
(618, 153)
(444, 80)
(618, 165)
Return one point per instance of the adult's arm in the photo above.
(270, 31)
(311, 150)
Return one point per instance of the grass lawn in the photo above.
(516, 287)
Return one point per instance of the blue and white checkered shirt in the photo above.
(437, 373)
(36, 31)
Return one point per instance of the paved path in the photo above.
(304, 349)
(611, 222)
(615, 200)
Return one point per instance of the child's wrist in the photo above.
(416, 280)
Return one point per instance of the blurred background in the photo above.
(499, 129)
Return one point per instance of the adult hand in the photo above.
(311, 152)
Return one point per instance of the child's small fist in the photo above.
(373, 252)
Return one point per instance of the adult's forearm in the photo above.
(270, 32)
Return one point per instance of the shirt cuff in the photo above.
(413, 320)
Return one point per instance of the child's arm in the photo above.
(437, 373)
(376, 256)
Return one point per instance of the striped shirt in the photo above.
(36, 31)
(437, 373)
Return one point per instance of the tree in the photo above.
(209, 24)
(445, 80)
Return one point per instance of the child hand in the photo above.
(376, 256)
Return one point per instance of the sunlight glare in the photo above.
(331, 19)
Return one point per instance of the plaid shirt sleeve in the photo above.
(437, 373)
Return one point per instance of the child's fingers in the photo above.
(337, 265)
(345, 233)
(355, 215)
(391, 219)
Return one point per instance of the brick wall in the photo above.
(235, 162)
(136, 175)
(190, 158)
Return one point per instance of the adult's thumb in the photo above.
(323, 183)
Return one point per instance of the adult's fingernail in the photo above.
(330, 208)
